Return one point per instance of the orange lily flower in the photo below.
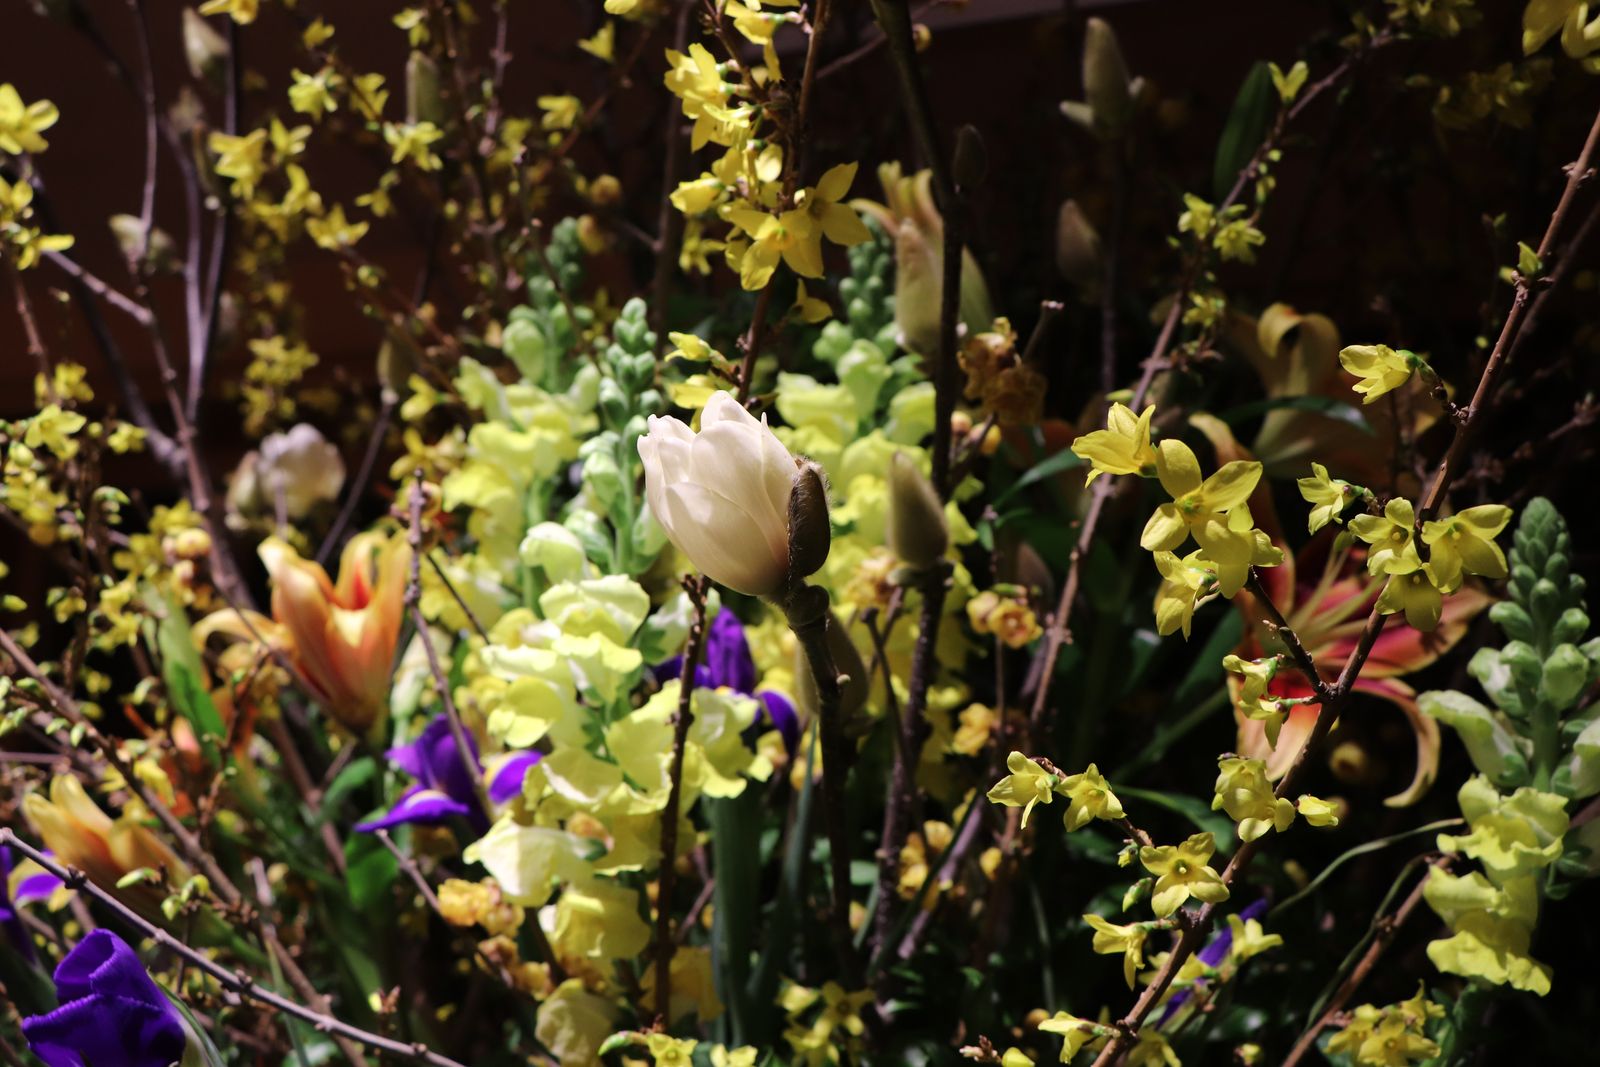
(343, 636)
(83, 836)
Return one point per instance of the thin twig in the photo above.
(682, 720)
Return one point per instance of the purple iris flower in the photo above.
(111, 1015)
(444, 789)
(1213, 954)
(727, 662)
(37, 886)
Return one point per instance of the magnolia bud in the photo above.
(971, 160)
(810, 534)
(1078, 256)
(846, 661)
(1105, 78)
(917, 532)
(423, 100)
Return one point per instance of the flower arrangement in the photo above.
(674, 646)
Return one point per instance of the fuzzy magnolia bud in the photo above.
(748, 514)
(1078, 256)
(810, 535)
(917, 531)
(424, 103)
(846, 660)
(1106, 85)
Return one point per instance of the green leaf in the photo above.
(183, 672)
(370, 870)
(1245, 129)
(1320, 405)
(358, 773)
(1049, 467)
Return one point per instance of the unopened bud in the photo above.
(1078, 256)
(1105, 78)
(203, 47)
(605, 191)
(810, 534)
(917, 532)
(971, 162)
(396, 362)
(423, 100)
(847, 663)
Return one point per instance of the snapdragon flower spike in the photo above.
(111, 1015)
(444, 790)
(727, 663)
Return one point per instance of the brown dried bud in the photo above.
(971, 161)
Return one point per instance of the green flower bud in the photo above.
(1078, 255)
(1566, 671)
(424, 103)
(917, 532)
(854, 684)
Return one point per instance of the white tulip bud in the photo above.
(727, 498)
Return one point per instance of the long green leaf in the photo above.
(1245, 129)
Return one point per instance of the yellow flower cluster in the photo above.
(1211, 509)
(1457, 546)
(1392, 1036)
(751, 186)
(21, 126)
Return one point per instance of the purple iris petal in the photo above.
(781, 716)
(41, 886)
(111, 1015)
(507, 781)
(421, 805)
(444, 787)
(728, 659)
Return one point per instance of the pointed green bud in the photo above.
(1106, 85)
(1078, 256)
(423, 100)
(917, 532)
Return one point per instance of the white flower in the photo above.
(303, 466)
(723, 496)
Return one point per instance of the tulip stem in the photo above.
(809, 618)
(682, 720)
